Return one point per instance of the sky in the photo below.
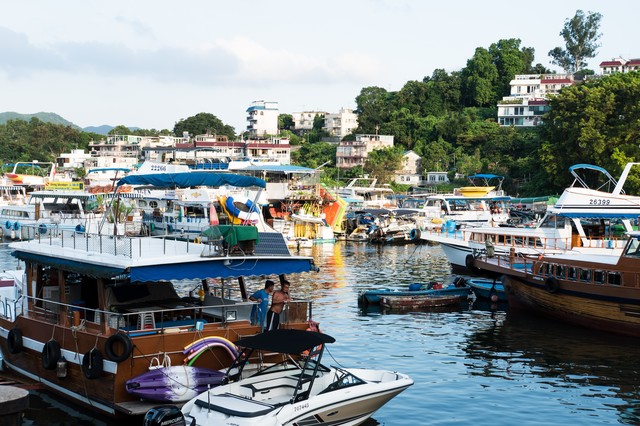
(152, 63)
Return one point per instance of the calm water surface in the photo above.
(471, 365)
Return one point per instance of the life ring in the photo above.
(16, 226)
(50, 355)
(42, 228)
(250, 215)
(118, 339)
(7, 224)
(552, 285)
(14, 340)
(92, 364)
(414, 234)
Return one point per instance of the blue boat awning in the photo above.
(240, 267)
(189, 179)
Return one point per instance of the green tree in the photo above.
(510, 60)
(285, 122)
(373, 109)
(120, 130)
(203, 123)
(479, 78)
(313, 155)
(597, 122)
(382, 163)
(580, 35)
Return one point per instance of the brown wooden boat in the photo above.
(421, 301)
(92, 311)
(597, 291)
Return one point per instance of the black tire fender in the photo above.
(92, 364)
(50, 355)
(552, 285)
(469, 262)
(117, 340)
(14, 340)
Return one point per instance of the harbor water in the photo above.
(472, 365)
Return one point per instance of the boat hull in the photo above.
(417, 302)
(372, 297)
(596, 307)
(487, 289)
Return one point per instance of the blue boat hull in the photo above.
(484, 289)
(372, 297)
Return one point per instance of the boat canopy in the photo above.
(221, 268)
(289, 341)
(186, 180)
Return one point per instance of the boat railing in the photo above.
(132, 320)
(540, 243)
(117, 245)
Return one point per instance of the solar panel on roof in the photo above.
(271, 244)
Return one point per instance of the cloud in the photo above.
(218, 63)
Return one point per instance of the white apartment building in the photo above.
(72, 160)
(619, 65)
(303, 121)
(354, 153)
(262, 118)
(341, 124)
(528, 99)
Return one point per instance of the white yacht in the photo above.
(583, 219)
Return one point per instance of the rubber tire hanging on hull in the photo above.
(552, 285)
(92, 364)
(121, 339)
(50, 355)
(469, 263)
(14, 340)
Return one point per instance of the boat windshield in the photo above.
(344, 379)
(633, 248)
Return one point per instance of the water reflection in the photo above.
(602, 367)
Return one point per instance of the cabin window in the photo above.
(560, 271)
(585, 275)
(598, 277)
(633, 249)
(614, 278)
(153, 204)
(572, 273)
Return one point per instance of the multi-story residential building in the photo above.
(262, 118)
(341, 124)
(303, 121)
(72, 160)
(619, 65)
(528, 99)
(215, 151)
(354, 153)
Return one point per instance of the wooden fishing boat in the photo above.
(418, 302)
(596, 291)
(91, 311)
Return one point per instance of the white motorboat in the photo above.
(583, 219)
(298, 390)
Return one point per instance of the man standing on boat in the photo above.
(262, 297)
(278, 301)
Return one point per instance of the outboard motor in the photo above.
(168, 415)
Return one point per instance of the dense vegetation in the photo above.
(449, 119)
